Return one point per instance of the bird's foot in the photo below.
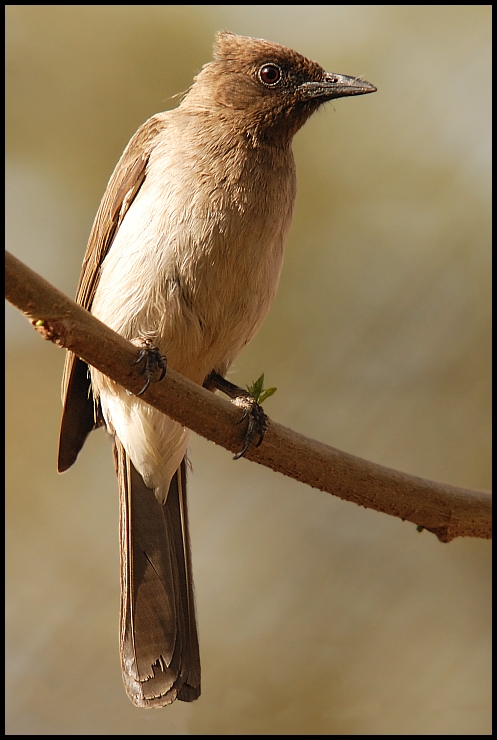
(152, 359)
(257, 420)
(252, 411)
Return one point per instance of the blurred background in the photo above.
(315, 616)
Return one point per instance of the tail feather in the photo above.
(159, 645)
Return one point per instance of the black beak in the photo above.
(336, 86)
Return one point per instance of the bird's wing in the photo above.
(79, 416)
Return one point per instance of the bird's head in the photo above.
(266, 88)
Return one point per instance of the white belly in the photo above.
(194, 275)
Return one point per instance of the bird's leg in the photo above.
(152, 359)
(257, 419)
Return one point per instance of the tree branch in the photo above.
(447, 511)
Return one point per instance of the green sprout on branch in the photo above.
(258, 391)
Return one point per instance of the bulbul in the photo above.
(185, 256)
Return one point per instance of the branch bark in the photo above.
(447, 511)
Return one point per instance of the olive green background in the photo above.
(315, 616)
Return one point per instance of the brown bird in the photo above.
(185, 256)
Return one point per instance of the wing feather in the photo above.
(79, 415)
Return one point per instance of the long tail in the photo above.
(159, 644)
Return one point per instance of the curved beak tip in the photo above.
(345, 85)
(337, 86)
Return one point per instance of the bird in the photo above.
(184, 259)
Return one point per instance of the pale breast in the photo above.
(196, 261)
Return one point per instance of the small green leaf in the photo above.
(419, 528)
(267, 393)
(258, 391)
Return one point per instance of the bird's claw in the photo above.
(153, 361)
(257, 421)
(251, 410)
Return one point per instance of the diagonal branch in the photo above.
(447, 511)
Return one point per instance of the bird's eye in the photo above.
(270, 74)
